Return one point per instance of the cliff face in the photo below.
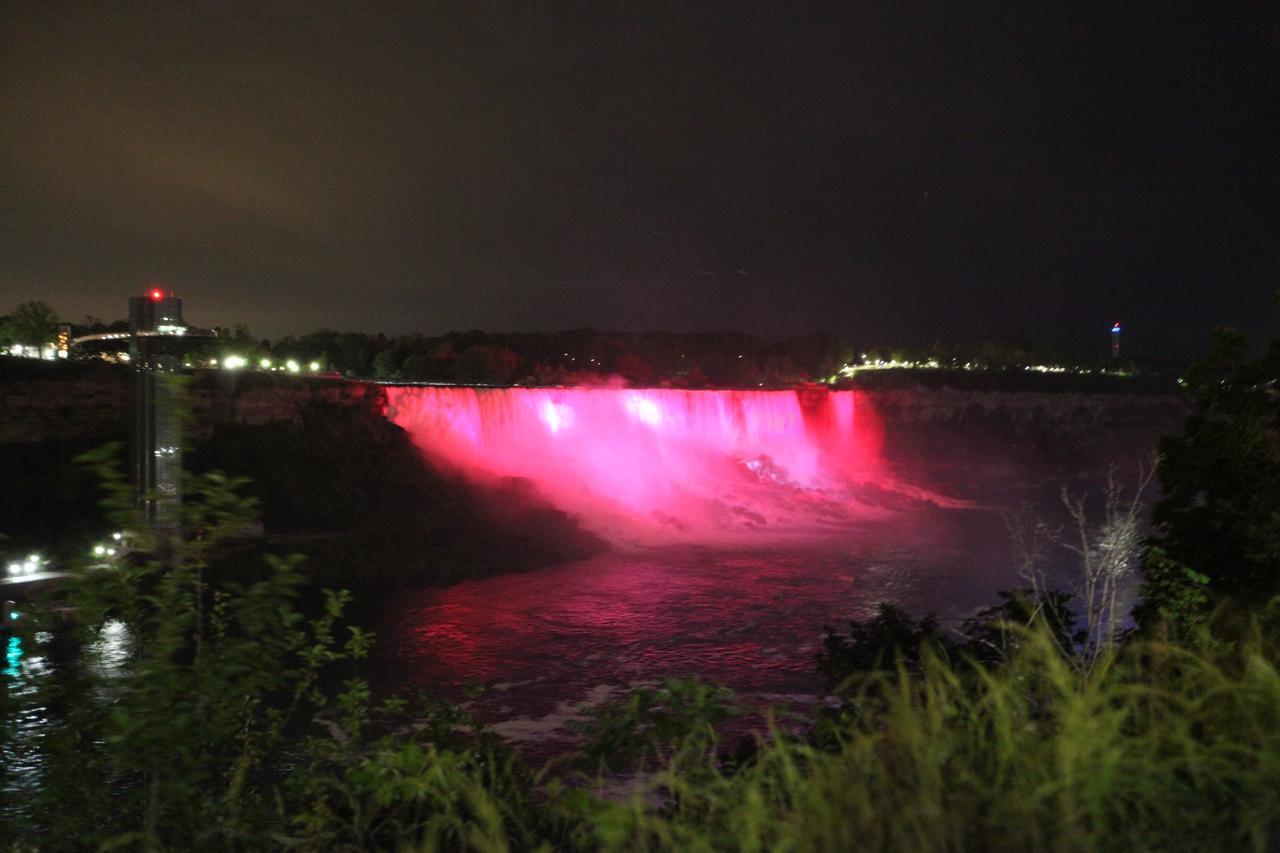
(58, 402)
(87, 403)
(43, 402)
(982, 443)
(1065, 413)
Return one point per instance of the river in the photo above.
(545, 642)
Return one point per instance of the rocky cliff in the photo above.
(70, 402)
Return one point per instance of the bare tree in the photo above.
(1108, 553)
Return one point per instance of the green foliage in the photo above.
(679, 715)
(166, 719)
(446, 782)
(893, 641)
(889, 641)
(1219, 514)
(1172, 594)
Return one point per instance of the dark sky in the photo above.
(895, 172)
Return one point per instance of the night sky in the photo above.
(895, 172)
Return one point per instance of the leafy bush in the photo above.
(1219, 514)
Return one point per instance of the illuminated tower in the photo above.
(155, 322)
(1115, 341)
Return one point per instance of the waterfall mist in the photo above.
(661, 464)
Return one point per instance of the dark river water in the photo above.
(544, 642)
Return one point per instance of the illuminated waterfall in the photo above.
(674, 460)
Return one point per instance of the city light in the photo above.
(33, 564)
(265, 364)
(157, 294)
(234, 362)
(292, 366)
(315, 366)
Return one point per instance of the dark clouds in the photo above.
(902, 173)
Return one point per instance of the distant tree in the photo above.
(352, 353)
(417, 366)
(695, 378)
(32, 324)
(821, 355)
(386, 364)
(780, 371)
(487, 365)
(634, 369)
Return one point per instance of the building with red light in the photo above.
(156, 312)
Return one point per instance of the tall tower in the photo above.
(155, 322)
(1115, 341)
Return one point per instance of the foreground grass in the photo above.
(1157, 747)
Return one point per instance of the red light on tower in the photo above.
(156, 294)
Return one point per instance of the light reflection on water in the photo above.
(23, 673)
(751, 619)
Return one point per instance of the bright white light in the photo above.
(556, 416)
(111, 552)
(292, 366)
(15, 568)
(33, 558)
(99, 550)
(644, 410)
(265, 363)
(315, 365)
(118, 535)
(234, 362)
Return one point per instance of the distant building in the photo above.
(156, 327)
(157, 311)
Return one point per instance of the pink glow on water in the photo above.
(673, 459)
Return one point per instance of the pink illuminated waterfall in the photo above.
(675, 460)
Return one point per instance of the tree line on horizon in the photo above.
(570, 357)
